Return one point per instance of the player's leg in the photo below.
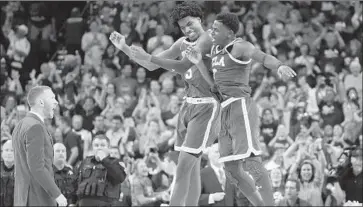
(253, 165)
(232, 149)
(186, 163)
(192, 198)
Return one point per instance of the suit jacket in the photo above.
(210, 184)
(34, 176)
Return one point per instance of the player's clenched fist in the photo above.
(194, 55)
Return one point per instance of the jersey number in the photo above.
(189, 74)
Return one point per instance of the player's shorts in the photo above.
(198, 124)
(238, 137)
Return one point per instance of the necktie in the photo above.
(222, 177)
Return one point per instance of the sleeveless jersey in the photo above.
(230, 74)
(195, 85)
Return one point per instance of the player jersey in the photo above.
(230, 74)
(195, 85)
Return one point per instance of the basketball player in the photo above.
(200, 111)
(231, 65)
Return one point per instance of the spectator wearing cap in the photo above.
(19, 47)
(291, 198)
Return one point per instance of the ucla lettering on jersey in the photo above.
(230, 74)
(195, 84)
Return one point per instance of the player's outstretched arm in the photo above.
(179, 66)
(142, 58)
(246, 49)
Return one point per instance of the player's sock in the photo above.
(192, 198)
(243, 181)
(186, 163)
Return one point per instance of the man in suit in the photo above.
(33, 150)
(215, 190)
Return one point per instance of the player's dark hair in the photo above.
(229, 20)
(185, 9)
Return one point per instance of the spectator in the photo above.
(292, 189)
(268, 125)
(74, 29)
(7, 173)
(355, 77)
(125, 84)
(86, 135)
(72, 142)
(93, 44)
(142, 191)
(19, 47)
(89, 112)
(159, 42)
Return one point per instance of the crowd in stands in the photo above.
(306, 123)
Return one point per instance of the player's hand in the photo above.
(61, 200)
(285, 70)
(139, 53)
(216, 93)
(101, 154)
(118, 40)
(218, 196)
(193, 54)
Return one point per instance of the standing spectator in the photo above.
(98, 126)
(292, 189)
(331, 110)
(93, 44)
(268, 125)
(86, 135)
(89, 110)
(354, 79)
(351, 181)
(7, 174)
(72, 142)
(63, 174)
(19, 47)
(74, 29)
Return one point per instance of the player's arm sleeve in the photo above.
(115, 172)
(204, 45)
(35, 139)
(267, 60)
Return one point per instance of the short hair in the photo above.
(185, 9)
(229, 20)
(65, 120)
(117, 117)
(295, 181)
(34, 94)
(101, 137)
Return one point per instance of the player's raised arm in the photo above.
(247, 49)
